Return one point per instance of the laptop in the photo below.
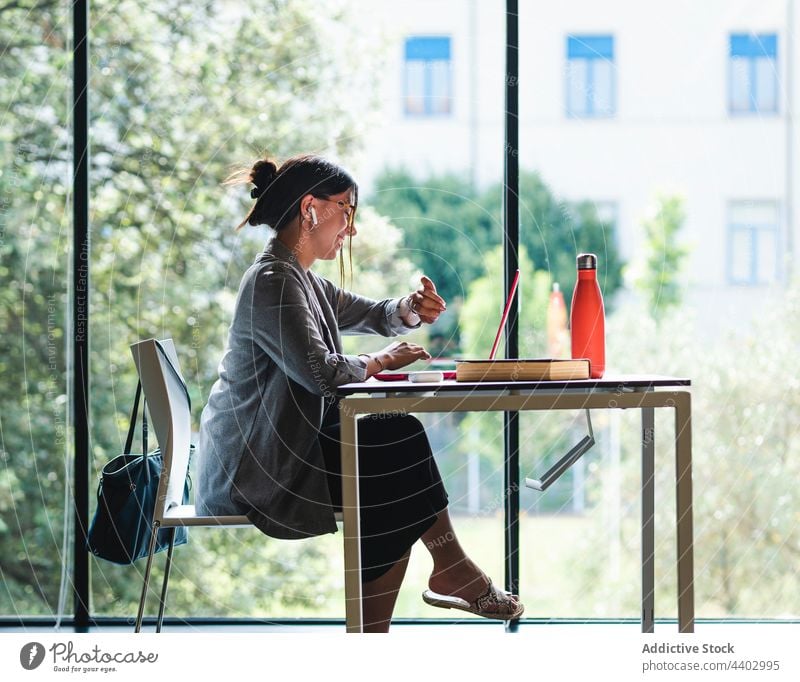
(432, 376)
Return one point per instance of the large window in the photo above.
(420, 124)
(590, 76)
(35, 203)
(703, 292)
(753, 242)
(753, 73)
(428, 76)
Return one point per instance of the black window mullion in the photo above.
(511, 263)
(80, 307)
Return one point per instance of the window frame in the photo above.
(751, 57)
(428, 96)
(754, 279)
(589, 100)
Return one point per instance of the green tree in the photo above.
(554, 231)
(33, 251)
(664, 256)
(178, 95)
(448, 228)
(481, 312)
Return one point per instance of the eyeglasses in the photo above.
(349, 209)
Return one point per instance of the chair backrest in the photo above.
(170, 415)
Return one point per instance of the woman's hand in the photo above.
(425, 302)
(400, 354)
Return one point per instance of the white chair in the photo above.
(168, 405)
(167, 400)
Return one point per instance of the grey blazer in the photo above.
(258, 452)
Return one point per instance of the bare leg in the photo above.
(454, 573)
(380, 595)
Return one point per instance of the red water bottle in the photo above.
(587, 318)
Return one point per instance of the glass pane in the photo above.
(580, 540)
(440, 87)
(440, 215)
(741, 87)
(602, 87)
(742, 255)
(469, 454)
(766, 96)
(676, 171)
(577, 72)
(767, 252)
(415, 87)
(35, 249)
(168, 260)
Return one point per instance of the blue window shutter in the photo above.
(752, 45)
(428, 76)
(590, 76)
(428, 48)
(753, 77)
(590, 47)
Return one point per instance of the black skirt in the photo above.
(400, 488)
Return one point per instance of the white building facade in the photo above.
(619, 100)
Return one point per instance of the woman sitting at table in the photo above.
(269, 435)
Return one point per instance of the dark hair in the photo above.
(278, 191)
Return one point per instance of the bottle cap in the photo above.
(587, 261)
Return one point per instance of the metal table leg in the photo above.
(648, 516)
(351, 524)
(683, 476)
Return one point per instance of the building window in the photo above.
(753, 73)
(590, 76)
(428, 76)
(753, 242)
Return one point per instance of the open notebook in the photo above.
(432, 376)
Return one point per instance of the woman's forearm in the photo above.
(376, 362)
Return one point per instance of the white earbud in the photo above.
(313, 215)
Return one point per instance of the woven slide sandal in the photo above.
(494, 603)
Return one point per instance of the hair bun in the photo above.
(262, 175)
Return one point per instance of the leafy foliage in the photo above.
(448, 228)
(33, 249)
(664, 256)
(746, 460)
(178, 96)
(181, 92)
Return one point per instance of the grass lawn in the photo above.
(546, 587)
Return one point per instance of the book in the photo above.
(522, 369)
